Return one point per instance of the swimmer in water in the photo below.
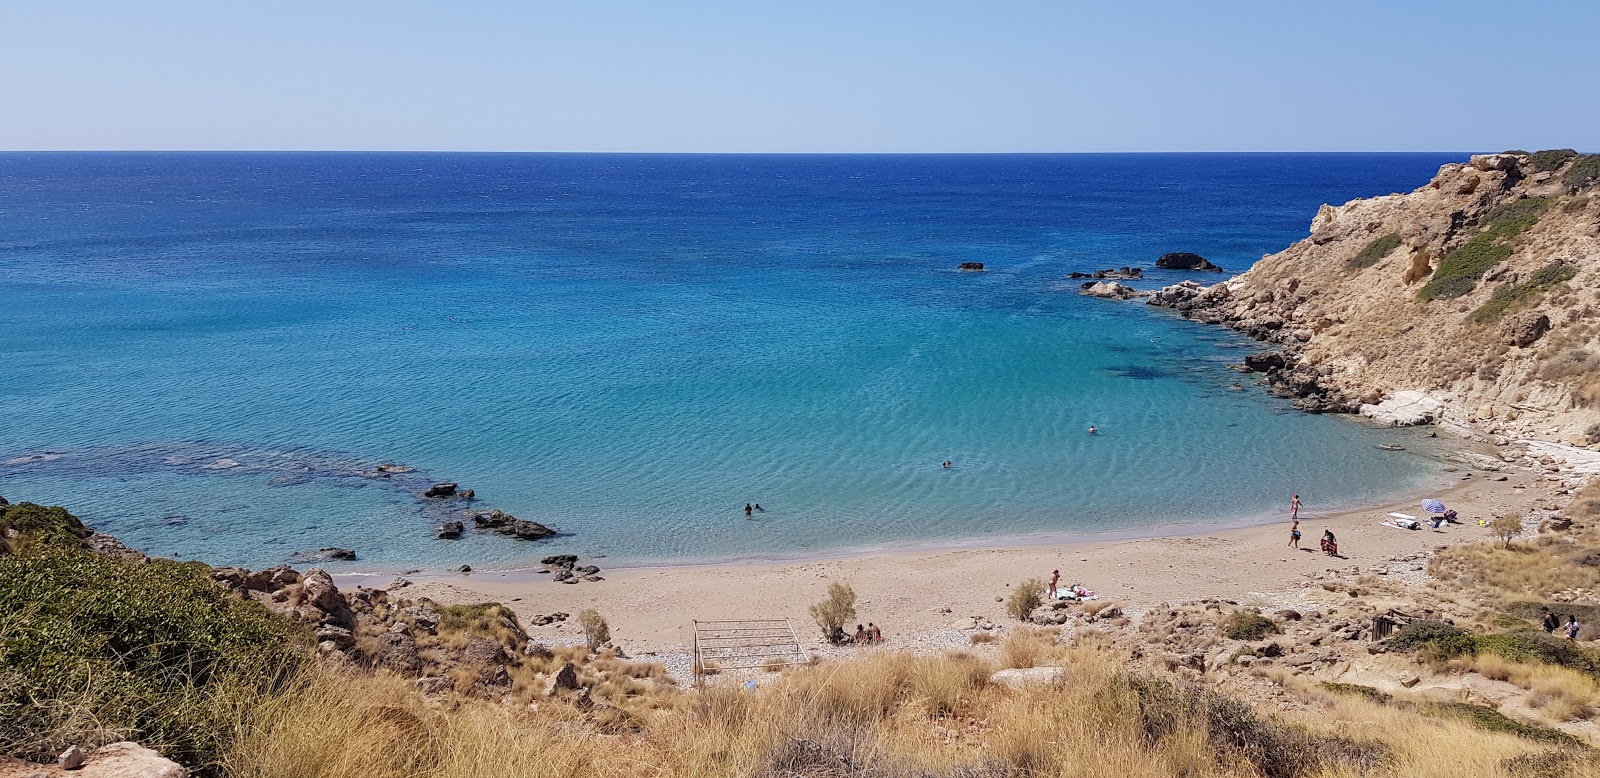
(747, 510)
(1093, 430)
(760, 509)
(947, 464)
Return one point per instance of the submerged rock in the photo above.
(451, 530)
(970, 266)
(441, 490)
(324, 555)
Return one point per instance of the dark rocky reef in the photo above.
(1184, 260)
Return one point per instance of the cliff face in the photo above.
(1480, 290)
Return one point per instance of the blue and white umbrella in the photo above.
(1433, 506)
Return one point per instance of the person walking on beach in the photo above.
(1055, 578)
(1294, 506)
(1294, 534)
(1549, 621)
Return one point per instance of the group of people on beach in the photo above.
(1330, 544)
(869, 635)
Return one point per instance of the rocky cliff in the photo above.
(1475, 298)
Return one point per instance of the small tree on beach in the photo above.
(1028, 595)
(836, 611)
(595, 629)
(1506, 527)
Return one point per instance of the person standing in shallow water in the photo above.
(1294, 507)
(1294, 534)
(748, 511)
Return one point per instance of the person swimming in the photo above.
(747, 510)
(1093, 430)
(947, 464)
(760, 509)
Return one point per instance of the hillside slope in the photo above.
(1480, 290)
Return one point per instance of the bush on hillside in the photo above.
(596, 632)
(1585, 170)
(96, 648)
(1249, 626)
(1374, 251)
(1506, 528)
(26, 526)
(1028, 595)
(1551, 159)
(1460, 270)
(1510, 219)
(1509, 297)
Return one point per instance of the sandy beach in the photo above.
(930, 599)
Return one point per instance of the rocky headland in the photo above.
(1471, 300)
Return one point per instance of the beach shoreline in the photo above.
(934, 598)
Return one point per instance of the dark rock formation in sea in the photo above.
(1119, 274)
(324, 555)
(1184, 260)
(970, 266)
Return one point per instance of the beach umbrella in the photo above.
(1433, 506)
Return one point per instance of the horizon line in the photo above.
(734, 153)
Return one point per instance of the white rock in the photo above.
(1405, 409)
(1019, 678)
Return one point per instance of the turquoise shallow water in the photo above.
(630, 348)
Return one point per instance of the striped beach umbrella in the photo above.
(1433, 506)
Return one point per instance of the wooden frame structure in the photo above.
(735, 644)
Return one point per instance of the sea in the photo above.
(209, 355)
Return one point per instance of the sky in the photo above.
(811, 76)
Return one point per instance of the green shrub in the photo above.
(1443, 640)
(1532, 646)
(1449, 288)
(833, 613)
(1508, 220)
(1508, 297)
(1585, 170)
(1357, 690)
(1249, 626)
(1491, 720)
(1551, 159)
(1374, 251)
(1028, 595)
(96, 648)
(27, 526)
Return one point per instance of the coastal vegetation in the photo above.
(1458, 273)
(1374, 251)
(837, 610)
(1028, 595)
(1511, 297)
(96, 648)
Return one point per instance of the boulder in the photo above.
(1405, 409)
(484, 651)
(537, 650)
(1176, 294)
(1184, 260)
(1020, 678)
(562, 680)
(116, 760)
(1110, 290)
(494, 519)
(451, 530)
(1522, 329)
(340, 637)
(1491, 162)
(560, 560)
(441, 490)
(1045, 616)
(397, 653)
(970, 266)
(324, 555)
(1265, 362)
(586, 570)
(423, 616)
(527, 530)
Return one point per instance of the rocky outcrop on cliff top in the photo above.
(1477, 296)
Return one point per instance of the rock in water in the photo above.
(970, 266)
(529, 530)
(451, 530)
(1110, 290)
(324, 555)
(1184, 260)
(1265, 362)
(1176, 295)
(441, 490)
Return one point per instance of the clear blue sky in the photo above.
(806, 76)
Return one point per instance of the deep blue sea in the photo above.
(207, 354)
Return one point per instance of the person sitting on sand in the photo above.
(1294, 534)
(1055, 578)
(874, 635)
(860, 637)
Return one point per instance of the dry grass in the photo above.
(1560, 693)
(880, 716)
(1539, 567)
(1026, 647)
